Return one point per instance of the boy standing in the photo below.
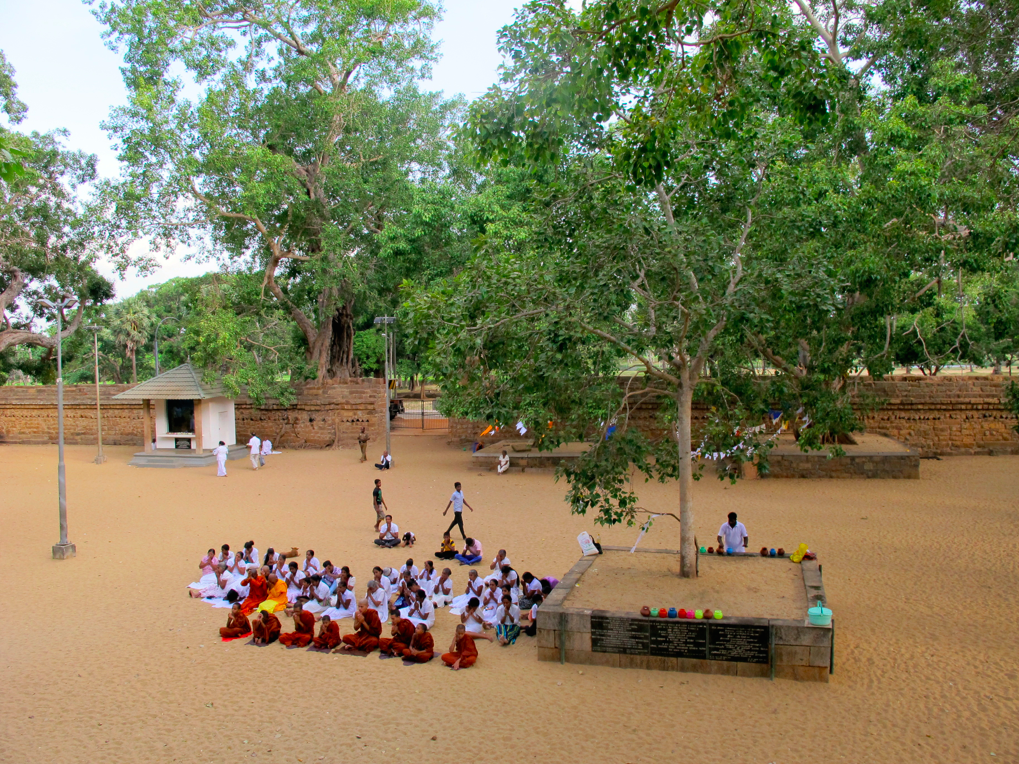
(457, 502)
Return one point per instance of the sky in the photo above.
(70, 79)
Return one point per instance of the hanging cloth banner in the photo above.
(643, 530)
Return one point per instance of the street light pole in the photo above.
(64, 549)
(100, 457)
(387, 320)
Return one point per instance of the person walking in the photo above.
(221, 452)
(457, 502)
(379, 504)
(362, 441)
(255, 445)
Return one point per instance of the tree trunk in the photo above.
(134, 367)
(687, 550)
(333, 349)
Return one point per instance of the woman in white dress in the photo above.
(509, 578)
(221, 452)
(377, 600)
(208, 568)
(442, 592)
(503, 462)
(345, 573)
(293, 578)
(475, 588)
(344, 605)
(490, 603)
(497, 565)
(216, 589)
(236, 572)
(427, 577)
(471, 617)
(318, 596)
(250, 553)
(421, 611)
(382, 579)
(311, 563)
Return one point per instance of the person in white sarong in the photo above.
(475, 588)
(293, 578)
(421, 611)
(344, 605)
(471, 617)
(318, 596)
(503, 462)
(254, 447)
(496, 566)
(221, 452)
(490, 602)
(442, 592)
(377, 600)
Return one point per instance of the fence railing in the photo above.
(418, 414)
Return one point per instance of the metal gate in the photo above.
(417, 414)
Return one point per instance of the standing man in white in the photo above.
(733, 535)
(457, 502)
(255, 446)
(221, 452)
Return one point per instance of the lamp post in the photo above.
(64, 549)
(100, 457)
(385, 320)
(155, 348)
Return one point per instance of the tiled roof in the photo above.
(182, 383)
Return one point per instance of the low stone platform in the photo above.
(532, 458)
(872, 456)
(751, 647)
(171, 458)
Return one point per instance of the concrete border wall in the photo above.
(798, 651)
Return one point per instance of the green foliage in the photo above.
(370, 350)
(1012, 401)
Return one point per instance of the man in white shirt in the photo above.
(255, 447)
(386, 462)
(733, 535)
(389, 533)
(457, 502)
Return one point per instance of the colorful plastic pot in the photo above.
(772, 552)
(645, 611)
(718, 615)
(654, 612)
(690, 614)
(703, 550)
(672, 612)
(699, 614)
(820, 615)
(681, 613)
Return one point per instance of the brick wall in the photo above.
(321, 415)
(946, 415)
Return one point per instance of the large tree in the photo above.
(284, 134)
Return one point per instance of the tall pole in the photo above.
(388, 415)
(64, 549)
(100, 457)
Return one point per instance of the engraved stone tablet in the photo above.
(738, 642)
(679, 639)
(628, 636)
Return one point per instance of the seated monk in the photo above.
(276, 598)
(258, 588)
(403, 631)
(237, 624)
(304, 627)
(422, 646)
(462, 652)
(367, 628)
(266, 628)
(328, 635)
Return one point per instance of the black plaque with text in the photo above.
(619, 635)
(679, 639)
(739, 642)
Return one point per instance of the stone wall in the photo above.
(937, 416)
(322, 415)
(797, 650)
(817, 465)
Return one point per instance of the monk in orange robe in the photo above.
(304, 628)
(463, 652)
(237, 625)
(276, 598)
(266, 628)
(258, 587)
(403, 631)
(422, 647)
(328, 635)
(367, 628)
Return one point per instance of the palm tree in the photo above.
(131, 326)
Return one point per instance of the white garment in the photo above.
(254, 444)
(386, 459)
(312, 566)
(423, 612)
(490, 605)
(221, 454)
(379, 602)
(266, 447)
(733, 536)
(344, 606)
(294, 585)
(442, 592)
(458, 501)
(413, 570)
(511, 618)
(320, 593)
(503, 464)
(497, 571)
(532, 588)
(390, 531)
(427, 580)
(474, 589)
(474, 624)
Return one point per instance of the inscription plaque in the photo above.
(738, 642)
(679, 639)
(619, 635)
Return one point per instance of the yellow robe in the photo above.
(277, 597)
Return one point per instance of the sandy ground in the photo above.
(105, 659)
(744, 587)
